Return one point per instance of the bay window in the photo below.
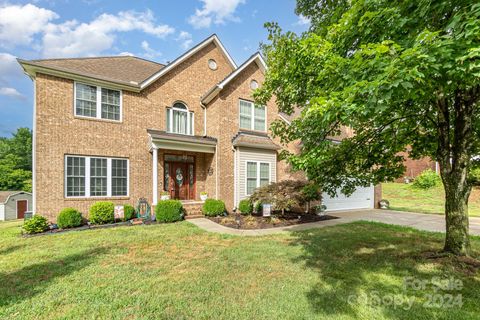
(252, 117)
(95, 177)
(96, 102)
(179, 119)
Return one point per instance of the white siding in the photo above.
(251, 154)
(2, 212)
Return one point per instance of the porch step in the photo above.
(194, 216)
(193, 209)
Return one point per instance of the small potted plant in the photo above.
(203, 195)
(165, 195)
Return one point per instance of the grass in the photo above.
(177, 271)
(405, 197)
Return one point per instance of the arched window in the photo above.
(179, 119)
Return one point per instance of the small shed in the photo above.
(14, 204)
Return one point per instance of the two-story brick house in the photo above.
(124, 128)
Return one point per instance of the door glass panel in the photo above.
(179, 176)
(166, 174)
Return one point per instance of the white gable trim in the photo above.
(187, 55)
(257, 58)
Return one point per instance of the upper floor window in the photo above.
(97, 102)
(252, 117)
(179, 119)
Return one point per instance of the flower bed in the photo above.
(238, 221)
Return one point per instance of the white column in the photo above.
(155, 175)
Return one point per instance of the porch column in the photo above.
(155, 175)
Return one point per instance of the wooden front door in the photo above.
(22, 207)
(180, 183)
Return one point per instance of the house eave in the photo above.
(31, 69)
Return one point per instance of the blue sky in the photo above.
(155, 30)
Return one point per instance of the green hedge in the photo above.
(69, 218)
(169, 211)
(245, 207)
(36, 224)
(129, 212)
(213, 207)
(427, 179)
(102, 212)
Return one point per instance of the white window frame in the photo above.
(252, 117)
(87, 177)
(190, 119)
(258, 174)
(99, 102)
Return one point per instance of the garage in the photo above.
(362, 198)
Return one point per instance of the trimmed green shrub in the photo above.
(257, 207)
(129, 212)
(427, 179)
(213, 207)
(69, 218)
(474, 177)
(169, 211)
(102, 212)
(36, 224)
(245, 207)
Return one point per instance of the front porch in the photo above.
(183, 167)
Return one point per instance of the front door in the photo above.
(180, 181)
(21, 208)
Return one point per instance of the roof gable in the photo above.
(213, 38)
(212, 93)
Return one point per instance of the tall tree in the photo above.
(399, 73)
(16, 161)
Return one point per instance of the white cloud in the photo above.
(12, 93)
(215, 11)
(186, 39)
(302, 21)
(18, 24)
(9, 67)
(149, 52)
(126, 53)
(88, 39)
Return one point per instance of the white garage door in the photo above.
(362, 198)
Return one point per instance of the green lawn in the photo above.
(405, 197)
(178, 271)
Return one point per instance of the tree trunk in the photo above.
(456, 216)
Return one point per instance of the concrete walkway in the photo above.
(428, 222)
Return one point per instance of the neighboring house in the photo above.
(14, 204)
(413, 167)
(124, 128)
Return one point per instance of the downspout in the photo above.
(34, 148)
(235, 178)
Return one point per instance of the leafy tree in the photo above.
(398, 73)
(16, 161)
(283, 195)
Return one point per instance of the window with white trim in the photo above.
(252, 117)
(95, 177)
(258, 175)
(96, 102)
(179, 119)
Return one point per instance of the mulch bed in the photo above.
(254, 221)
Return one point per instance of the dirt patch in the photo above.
(238, 221)
(466, 265)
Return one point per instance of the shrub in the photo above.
(257, 207)
(169, 211)
(427, 179)
(36, 224)
(102, 212)
(283, 195)
(128, 212)
(474, 176)
(69, 218)
(245, 207)
(213, 207)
